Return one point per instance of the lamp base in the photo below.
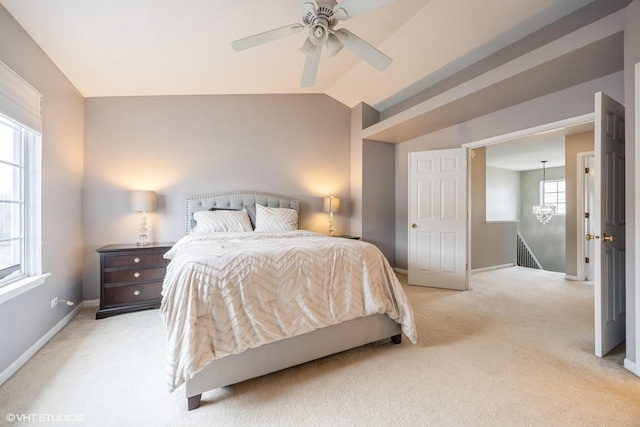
(143, 244)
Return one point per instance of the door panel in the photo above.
(609, 252)
(437, 219)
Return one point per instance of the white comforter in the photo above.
(226, 292)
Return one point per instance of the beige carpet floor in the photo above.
(515, 350)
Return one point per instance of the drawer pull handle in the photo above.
(136, 260)
(136, 274)
(136, 292)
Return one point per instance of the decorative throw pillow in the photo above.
(276, 219)
(251, 210)
(221, 221)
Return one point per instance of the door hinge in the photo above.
(586, 214)
(466, 163)
(586, 260)
(586, 170)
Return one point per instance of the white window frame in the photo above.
(21, 105)
(543, 196)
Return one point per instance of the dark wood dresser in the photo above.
(131, 277)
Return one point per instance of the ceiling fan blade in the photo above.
(267, 36)
(362, 49)
(334, 45)
(308, 6)
(349, 8)
(310, 72)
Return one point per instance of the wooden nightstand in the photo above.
(131, 277)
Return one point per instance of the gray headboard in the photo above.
(237, 201)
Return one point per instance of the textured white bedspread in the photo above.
(226, 292)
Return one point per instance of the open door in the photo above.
(609, 233)
(438, 219)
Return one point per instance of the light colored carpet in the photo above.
(515, 350)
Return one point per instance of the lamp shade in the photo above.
(142, 201)
(331, 204)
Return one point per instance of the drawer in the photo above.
(128, 294)
(133, 260)
(134, 275)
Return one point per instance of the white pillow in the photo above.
(276, 219)
(221, 221)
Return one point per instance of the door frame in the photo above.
(634, 325)
(585, 118)
(581, 272)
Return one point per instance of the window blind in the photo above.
(19, 100)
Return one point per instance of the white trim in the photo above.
(580, 209)
(21, 286)
(24, 358)
(493, 267)
(536, 130)
(400, 270)
(633, 365)
(573, 278)
(629, 365)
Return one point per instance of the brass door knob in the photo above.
(414, 225)
(610, 238)
(591, 236)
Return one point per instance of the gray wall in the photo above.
(547, 241)
(378, 194)
(181, 146)
(62, 169)
(503, 194)
(492, 243)
(574, 144)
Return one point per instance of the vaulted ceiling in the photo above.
(160, 47)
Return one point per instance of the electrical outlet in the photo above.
(54, 302)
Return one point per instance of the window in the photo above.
(553, 193)
(17, 155)
(11, 201)
(20, 159)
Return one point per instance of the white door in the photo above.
(438, 219)
(609, 235)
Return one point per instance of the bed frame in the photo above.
(286, 353)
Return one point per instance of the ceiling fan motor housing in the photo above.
(321, 21)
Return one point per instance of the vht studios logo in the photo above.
(52, 418)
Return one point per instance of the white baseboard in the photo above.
(91, 303)
(493, 267)
(574, 278)
(631, 366)
(24, 358)
(400, 270)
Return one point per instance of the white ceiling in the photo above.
(527, 153)
(160, 47)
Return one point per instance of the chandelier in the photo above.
(544, 213)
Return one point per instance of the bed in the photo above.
(243, 301)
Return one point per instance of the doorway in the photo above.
(506, 182)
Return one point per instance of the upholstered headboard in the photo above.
(238, 201)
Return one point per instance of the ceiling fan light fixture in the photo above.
(334, 45)
(309, 48)
(319, 33)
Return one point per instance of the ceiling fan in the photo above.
(321, 16)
